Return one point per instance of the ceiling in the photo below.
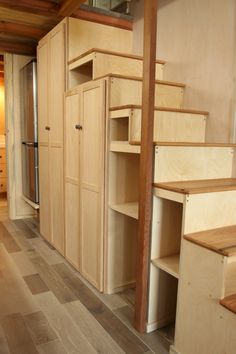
(24, 22)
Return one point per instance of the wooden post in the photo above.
(146, 163)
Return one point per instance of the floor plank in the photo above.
(24, 228)
(35, 284)
(17, 335)
(8, 240)
(72, 338)
(23, 264)
(39, 328)
(53, 281)
(92, 330)
(55, 347)
(4, 349)
(116, 329)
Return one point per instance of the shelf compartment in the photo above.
(124, 146)
(169, 264)
(129, 209)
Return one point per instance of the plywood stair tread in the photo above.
(221, 240)
(199, 186)
(104, 51)
(136, 78)
(187, 144)
(162, 109)
(229, 302)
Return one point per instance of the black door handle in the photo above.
(78, 126)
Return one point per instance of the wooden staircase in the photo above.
(194, 194)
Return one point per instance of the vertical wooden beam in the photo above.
(146, 163)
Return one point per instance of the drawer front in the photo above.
(2, 155)
(3, 170)
(3, 185)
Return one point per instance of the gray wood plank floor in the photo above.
(46, 307)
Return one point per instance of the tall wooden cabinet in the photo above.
(84, 179)
(51, 87)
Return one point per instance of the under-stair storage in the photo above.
(84, 179)
(121, 240)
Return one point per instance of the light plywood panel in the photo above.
(44, 193)
(206, 328)
(122, 244)
(84, 35)
(176, 163)
(43, 92)
(126, 91)
(92, 167)
(57, 84)
(72, 217)
(57, 197)
(72, 136)
(209, 211)
(170, 126)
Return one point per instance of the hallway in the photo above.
(45, 307)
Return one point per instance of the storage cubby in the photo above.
(81, 74)
(164, 267)
(119, 129)
(122, 220)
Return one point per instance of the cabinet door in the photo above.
(43, 92)
(44, 193)
(92, 181)
(56, 113)
(72, 239)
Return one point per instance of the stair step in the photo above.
(125, 90)
(169, 124)
(162, 109)
(229, 303)
(169, 264)
(221, 240)
(101, 62)
(199, 186)
(192, 161)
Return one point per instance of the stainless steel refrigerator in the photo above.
(29, 131)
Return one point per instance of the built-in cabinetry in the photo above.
(51, 87)
(85, 179)
(3, 171)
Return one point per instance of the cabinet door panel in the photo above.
(91, 181)
(72, 246)
(57, 198)
(44, 193)
(72, 137)
(43, 56)
(72, 242)
(57, 85)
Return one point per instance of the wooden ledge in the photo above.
(221, 240)
(104, 51)
(163, 109)
(199, 186)
(136, 78)
(189, 144)
(229, 303)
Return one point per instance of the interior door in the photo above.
(92, 181)
(72, 138)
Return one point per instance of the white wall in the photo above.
(18, 208)
(197, 39)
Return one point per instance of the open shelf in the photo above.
(169, 264)
(124, 146)
(129, 209)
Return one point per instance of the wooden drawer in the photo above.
(3, 185)
(3, 170)
(2, 155)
